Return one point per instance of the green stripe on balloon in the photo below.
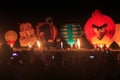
(70, 35)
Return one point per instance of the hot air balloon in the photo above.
(11, 37)
(99, 29)
(27, 35)
(70, 33)
(116, 36)
(46, 31)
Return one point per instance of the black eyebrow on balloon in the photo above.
(104, 25)
(99, 27)
(94, 26)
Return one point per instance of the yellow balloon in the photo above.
(11, 37)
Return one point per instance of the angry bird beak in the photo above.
(100, 35)
(99, 31)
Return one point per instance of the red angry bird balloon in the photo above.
(99, 29)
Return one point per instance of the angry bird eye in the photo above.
(94, 26)
(96, 30)
(99, 28)
(104, 25)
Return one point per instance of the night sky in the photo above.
(14, 12)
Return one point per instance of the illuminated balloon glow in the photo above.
(46, 32)
(27, 35)
(70, 33)
(11, 37)
(99, 29)
(116, 37)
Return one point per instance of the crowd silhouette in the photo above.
(58, 64)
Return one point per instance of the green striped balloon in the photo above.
(70, 33)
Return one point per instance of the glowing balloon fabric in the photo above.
(11, 37)
(46, 31)
(99, 29)
(27, 35)
(70, 33)
(116, 37)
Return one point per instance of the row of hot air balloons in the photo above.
(46, 32)
(99, 29)
(69, 32)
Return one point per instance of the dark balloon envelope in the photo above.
(46, 31)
